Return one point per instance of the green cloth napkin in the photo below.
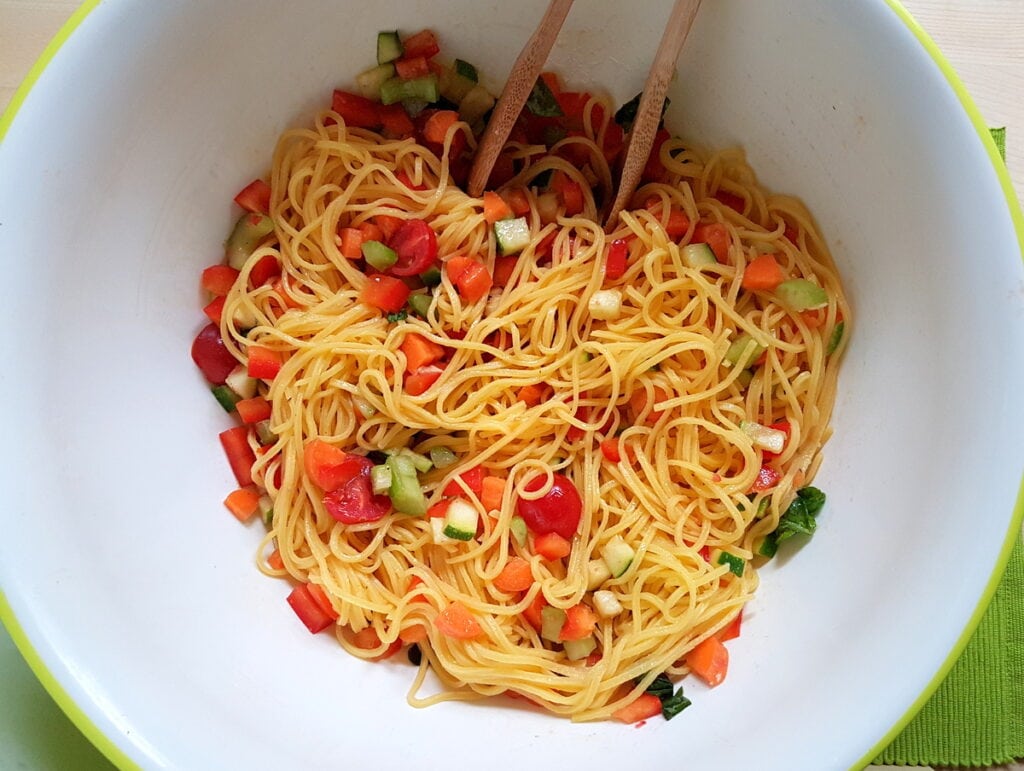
(976, 717)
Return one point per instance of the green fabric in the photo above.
(976, 717)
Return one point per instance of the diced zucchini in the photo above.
(378, 255)
(799, 294)
(577, 650)
(266, 509)
(597, 573)
(552, 620)
(225, 397)
(437, 531)
(380, 479)
(466, 70)
(735, 564)
(605, 304)
(512, 235)
(698, 255)
(766, 438)
(517, 526)
(369, 81)
(617, 555)
(420, 462)
(744, 351)
(431, 276)
(607, 604)
(745, 378)
(475, 104)
(238, 380)
(835, 338)
(389, 47)
(768, 546)
(460, 520)
(454, 86)
(442, 457)
(395, 90)
(405, 491)
(246, 236)
(264, 434)
(420, 303)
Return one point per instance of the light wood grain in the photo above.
(984, 42)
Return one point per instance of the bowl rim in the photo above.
(116, 755)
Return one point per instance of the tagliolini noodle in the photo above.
(684, 485)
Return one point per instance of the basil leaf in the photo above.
(542, 102)
(661, 687)
(401, 315)
(674, 704)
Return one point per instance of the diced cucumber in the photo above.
(552, 620)
(617, 555)
(420, 462)
(835, 338)
(744, 351)
(466, 70)
(264, 434)
(799, 294)
(225, 397)
(266, 509)
(768, 546)
(597, 573)
(766, 438)
(378, 255)
(442, 457)
(745, 378)
(460, 520)
(246, 236)
(475, 104)
(380, 479)
(369, 81)
(698, 255)
(437, 531)
(607, 604)
(431, 276)
(454, 86)
(389, 47)
(238, 380)
(405, 491)
(735, 564)
(420, 303)
(517, 526)
(512, 235)
(395, 90)
(577, 650)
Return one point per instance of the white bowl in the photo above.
(134, 595)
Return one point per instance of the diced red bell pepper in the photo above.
(731, 200)
(552, 546)
(504, 169)
(647, 705)
(709, 661)
(569, 192)
(423, 43)
(473, 478)
(388, 225)
(420, 351)
(614, 142)
(387, 293)
(218, 279)
(235, 442)
(266, 269)
(214, 310)
(579, 623)
(264, 362)
(253, 410)
(255, 197)
(532, 611)
(395, 121)
(733, 630)
(416, 383)
(329, 467)
(308, 610)
(610, 449)
(518, 201)
(320, 598)
(406, 180)
(615, 263)
(469, 276)
(356, 110)
(503, 269)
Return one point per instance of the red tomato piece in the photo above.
(212, 357)
(615, 263)
(423, 43)
(354, 501)
(418, 382)
(767, 478)
(715, 235)
(614, 141)
(415, 243)
(235, 442)
(474, 479)
(218, 279)
(385, 293)
(677, 225)
(356, 110)
(255, 197)
(309, 612)
(557, 511)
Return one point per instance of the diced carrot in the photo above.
(709, 661)
(456, 621)
(320, 598)
(551, 546)
(367, 639)
(351, 243)
(419, 351)
(371, 232)
(733, 630)
(243, 503)
(491, 493)
(638, 401)
(413, 635)
(516, 576)
(215, 309)
(532, 394)
(438, 124)
(495, 208)
(677, 225)
(579, 623)
(647, 705)
(610, 449)
(762, 273)
(218, 279)
(532, 611)
(275, 561)
(517, 201)
(253, 410)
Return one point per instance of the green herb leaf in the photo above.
(401, 315)
(735, 563)
(835, 338)
(769, 546)
(674, 704)
(661, 687)
(466, 70)
(542, 102)
(625, 116)
(799, 517)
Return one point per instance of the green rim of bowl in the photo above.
(120, 759)
(1017, 519)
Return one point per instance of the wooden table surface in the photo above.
(984, 41)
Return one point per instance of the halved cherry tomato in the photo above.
(557, 511)
(209, 353)
(354, 500)
(767, 478)
(416, 246)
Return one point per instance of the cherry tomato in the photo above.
(354, 500)
(557, 511)
(330, 467)
(416, 246)
(209, 353)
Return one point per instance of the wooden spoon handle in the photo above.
(517, 90)
(648, 114)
